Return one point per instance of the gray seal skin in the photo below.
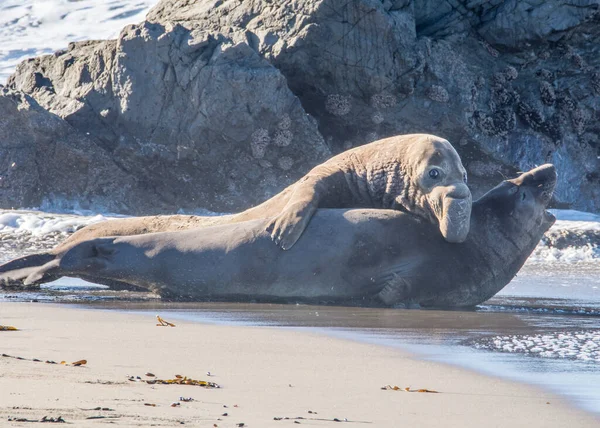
(358, 256)
(417, 173)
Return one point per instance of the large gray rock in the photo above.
(46, 162)
(511, 83)
(201, 120)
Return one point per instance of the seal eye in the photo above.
(434, 173)
(465, 177)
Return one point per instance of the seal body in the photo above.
(361, 256)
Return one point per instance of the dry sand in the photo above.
(263, 372)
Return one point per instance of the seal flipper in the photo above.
(42, 274)
(287, 227)
(396, 290)
(395, 284)
(15, 272)
(31, 260)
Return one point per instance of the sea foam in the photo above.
(579, 345)
(35, 27)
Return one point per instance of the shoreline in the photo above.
(336, 378)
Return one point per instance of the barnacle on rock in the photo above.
(285, 122)
(498, 124)
(565, 103)
(377, 118)
(484, 122)
(504, 96)
(383, 100)
(552, 128)
(579, 119)
(259, 141)
(338, 105)
(595, 81)
(504, 121)
(493, 52)
(438, 93)
(283, 137)
(547, 93)
(498, 79)
(265, 163)
(544, 55)
(578, 60)
(531, 116)
(285, 162)
(544, 74)
(511, 73)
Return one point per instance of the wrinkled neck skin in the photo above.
(497, 247)
(376, 179)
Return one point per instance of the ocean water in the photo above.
(30, 28)
(543, 328)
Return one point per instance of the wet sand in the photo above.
(264, 372)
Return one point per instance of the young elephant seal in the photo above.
(418, 173)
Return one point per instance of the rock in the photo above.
(192, 101)
(187, 113)
(45, 162)
(516, 23)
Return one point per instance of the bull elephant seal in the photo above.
(421, 174)
(418, 173)
(359, 256)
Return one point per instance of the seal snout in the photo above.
(455, 216)
(544, 174)
(541, 180)
(460, 191)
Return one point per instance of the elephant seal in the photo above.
(417, 173)
(361, 256)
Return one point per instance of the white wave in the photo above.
(588, 254)
(578, 223)
(35, 27)
(40, 223)
(543, 255)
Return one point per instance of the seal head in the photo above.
(439, 180)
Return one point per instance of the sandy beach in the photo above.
(263, 373)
